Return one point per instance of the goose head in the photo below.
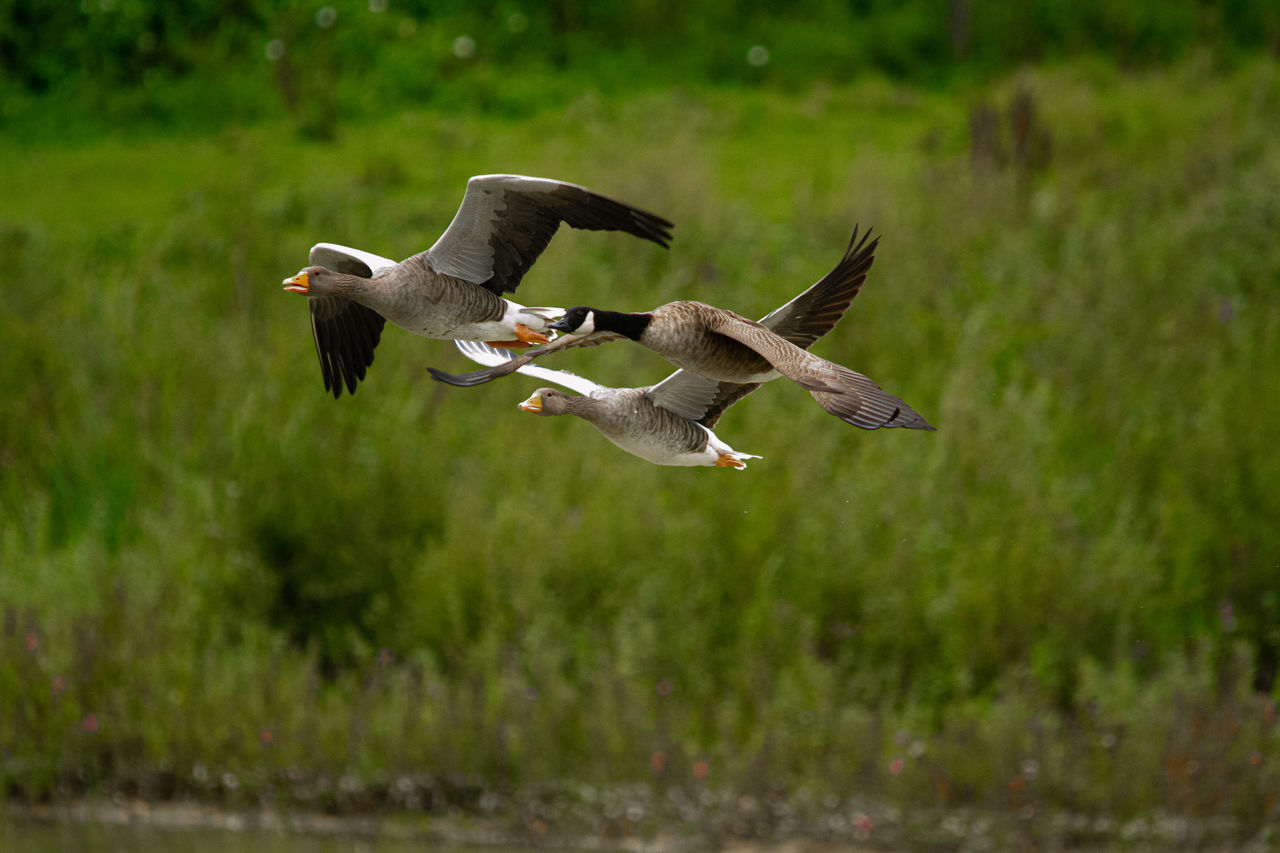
(546, 401)
(579, 320)
(318, 281)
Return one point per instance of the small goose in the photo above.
(645, 422)
(729, 348)
(453, 291)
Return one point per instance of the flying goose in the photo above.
(645, 422)
(453, 291)
(726, 347)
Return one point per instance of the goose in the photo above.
(670, 423)
(645, 422)
(728, 348)
(454, 290)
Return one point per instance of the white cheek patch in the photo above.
(588, 325)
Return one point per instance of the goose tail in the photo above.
(726, 456)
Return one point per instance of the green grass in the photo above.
(1078, 570)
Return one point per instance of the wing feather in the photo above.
(850, 396)
(817, 310)
(506, 221)
(687, 394)
(808, 316)
(482, 353)
(727, 394)
(487, 374)
(347, 260)
(345, 332)
(865, 404)
(345, 335)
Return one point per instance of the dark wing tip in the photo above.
(858, 247)
(905, 416)
(528, 220)
(917, 423)
(462, 380)
(650, 226)
(860, 255)
(345, 340)
(584, 208)
(864, 404)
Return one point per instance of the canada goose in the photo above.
(454, 289)
(645, 422)
(729, 348)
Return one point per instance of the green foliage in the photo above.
(210, 567)
(110, 63)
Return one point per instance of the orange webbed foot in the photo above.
(529, 336)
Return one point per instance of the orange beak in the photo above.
(297, 284)
(533, 404)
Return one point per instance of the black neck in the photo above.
(631, 325)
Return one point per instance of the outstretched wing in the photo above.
(727, 394)
(850, 396)
(813, 313)
(505, 221)
(807, 317)
(863, 403)
(482, 353)
(689, 395)
(345, 259)
(345, 332)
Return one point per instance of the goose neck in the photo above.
(631, 325)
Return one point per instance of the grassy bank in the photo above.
(218, 580)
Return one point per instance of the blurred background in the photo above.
(1055, 621)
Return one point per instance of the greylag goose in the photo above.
(730, 349)
(666, 424)
(454, 290)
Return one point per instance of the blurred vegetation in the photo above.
(203, 63)
(217, 581)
